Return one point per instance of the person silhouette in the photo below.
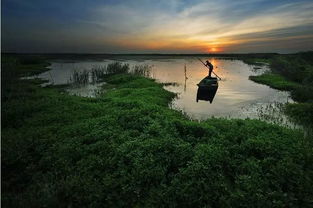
(210, 66)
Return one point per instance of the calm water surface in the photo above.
(236, 97)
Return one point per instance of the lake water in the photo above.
(236, 97)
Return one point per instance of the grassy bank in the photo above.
(126, 148)
(276, 81)
(293, 73)
(256, 60)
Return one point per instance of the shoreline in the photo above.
(300, 112)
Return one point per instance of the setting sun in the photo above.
(213, 49)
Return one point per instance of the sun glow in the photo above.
(213, 50)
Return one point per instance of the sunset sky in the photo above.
(150, 26)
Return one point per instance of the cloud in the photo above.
(173, 25)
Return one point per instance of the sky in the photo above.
(156, 26)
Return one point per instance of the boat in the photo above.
(207, 88)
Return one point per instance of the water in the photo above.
(236, 97)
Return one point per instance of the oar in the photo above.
(212, 71)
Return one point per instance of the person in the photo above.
(210, 66)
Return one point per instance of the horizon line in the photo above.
(177, 54)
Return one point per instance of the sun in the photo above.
(213, 50)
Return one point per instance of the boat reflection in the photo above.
(207, 88)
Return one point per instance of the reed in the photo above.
(80, 77)
(142, 70)
(98, 73)
(117, 68)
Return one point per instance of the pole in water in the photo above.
(185, 68)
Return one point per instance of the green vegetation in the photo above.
(298, 67)
(82, 77)
(301, 113)
(275, 81)
(126, 148)
(256, 61)
(117, 67)
(142, 70)
(293, 73)
(12, 69)
(99, 73)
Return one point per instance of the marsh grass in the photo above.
(256, 61)
(301, 113)
(12, 68)
(142, 70)
(275, 81)
(171, 84)
(80, 77)
(98, 73)
(117, 68)
(128, 149)
(293, 73)
(95, 75)
(274, 113)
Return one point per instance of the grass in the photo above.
(28, 65)
(127, 148)
(293, 73)
(142, 70)
(275, 81)
(301, 113)
(99, 73)
(117, 67)
(256, 61)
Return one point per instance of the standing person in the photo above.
(210, 66)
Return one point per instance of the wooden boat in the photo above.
(207, 88)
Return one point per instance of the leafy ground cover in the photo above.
(126, 148)
(275, 81)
